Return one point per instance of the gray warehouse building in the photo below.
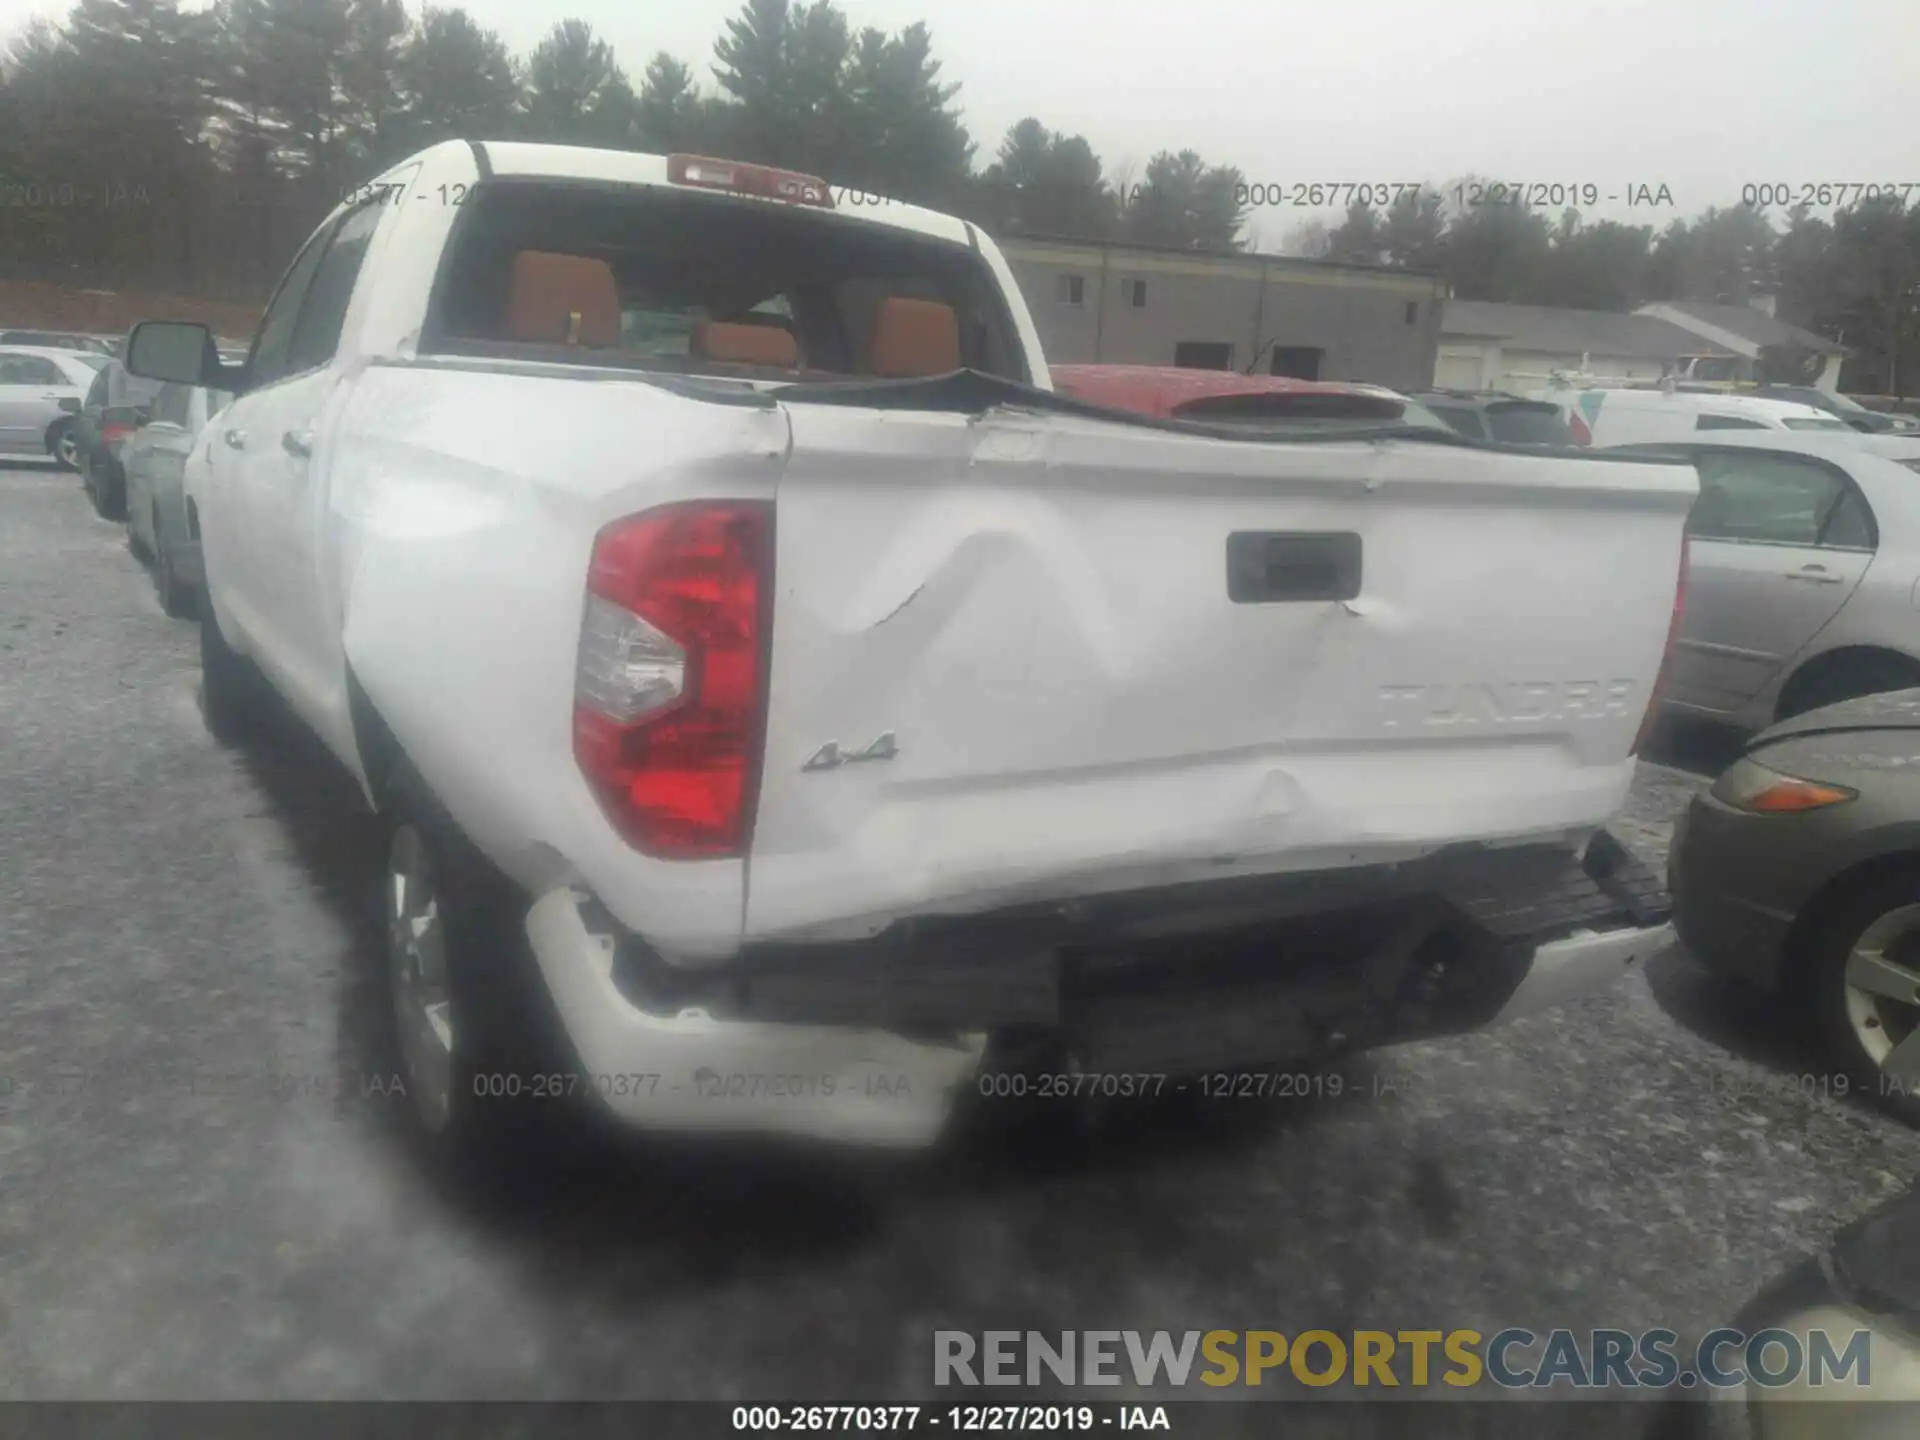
(1119, 304)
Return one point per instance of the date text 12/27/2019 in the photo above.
(1531, 194)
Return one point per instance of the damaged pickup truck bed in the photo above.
(765, 676)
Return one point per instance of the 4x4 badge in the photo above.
(831, 757)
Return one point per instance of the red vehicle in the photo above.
(1225, 397)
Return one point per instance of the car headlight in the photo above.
(1752, 787)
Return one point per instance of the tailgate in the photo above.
(1027, 656)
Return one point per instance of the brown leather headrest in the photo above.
(744, 344)
(563, 300)
(913, 338)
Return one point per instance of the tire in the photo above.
(135, 544)
(1867, 674)
(112, 495)
(109, 500)
(64, 446)
(474, 1040)
(1859, 1028)
(233, 693)
(176, 599)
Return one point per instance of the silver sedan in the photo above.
(40, 394)
(1803, 583)
(158, 525)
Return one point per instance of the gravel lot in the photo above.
(168, 909)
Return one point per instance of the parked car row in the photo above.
(129, 438)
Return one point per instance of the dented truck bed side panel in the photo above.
(459, 535)
(1038, 637)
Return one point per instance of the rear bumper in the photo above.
(873, 1042)
(1564, 970)
(684, 1070)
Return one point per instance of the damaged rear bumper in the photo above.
(681, 1068)
(874, 1041)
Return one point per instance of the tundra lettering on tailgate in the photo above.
(1504, 702)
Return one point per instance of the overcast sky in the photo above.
(1702, 96)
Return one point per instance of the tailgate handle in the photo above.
(1266, 567)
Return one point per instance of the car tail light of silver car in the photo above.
(1666, 657)
(670, 684)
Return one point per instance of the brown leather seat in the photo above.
(563, 300)
(744, 344)
(913, 338)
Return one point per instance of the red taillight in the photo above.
(670, 683)
(113, 434)
(1666, 657)
(762, 181)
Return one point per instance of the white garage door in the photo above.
(1457, 370)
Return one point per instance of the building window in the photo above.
(1135, 292)
(1069, 289)
(1413, 311)
(1302, 362)
(1203, 355)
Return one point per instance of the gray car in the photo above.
(154, 457)
(41, 391)
(1799, 872)
(1803, 583)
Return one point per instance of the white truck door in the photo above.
(241, 436)
(284, 463)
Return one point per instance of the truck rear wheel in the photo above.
(474, 1040)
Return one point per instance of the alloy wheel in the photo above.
(1883, 996)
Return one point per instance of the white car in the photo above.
(1604, 417)
(41, 391)
(768, 679)
(1803, 581)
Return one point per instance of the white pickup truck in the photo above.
(767, 677)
